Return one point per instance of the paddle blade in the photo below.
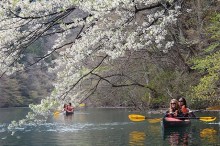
(207, 119)
(56, 113)
(136, 118)
(214, 108)
(156, 120)
(82, 105)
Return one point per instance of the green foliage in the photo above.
(10, 92)
(212, 47)
(209, 65)
(198, 103)
(24, 88)
(159, 102)
(214, 28)
(171, 83)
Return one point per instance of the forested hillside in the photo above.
(120, 67)
(29, 86)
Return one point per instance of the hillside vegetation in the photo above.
(143, 79)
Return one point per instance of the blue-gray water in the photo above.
(106, 127)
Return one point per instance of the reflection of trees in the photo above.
(209, 134)
(155, 120)
(136, 138)
(177, 136)
(176, 139)
(61, 118)
(68, 119)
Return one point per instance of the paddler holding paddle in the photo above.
(184, 110)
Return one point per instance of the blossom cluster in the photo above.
(104, 27)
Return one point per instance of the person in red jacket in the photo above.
(184, 110)
(69, 109)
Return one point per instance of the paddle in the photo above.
(217, 107)
(138, 118)
(56, 113)
(205, 119)
(82, 104)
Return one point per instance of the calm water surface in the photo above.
(106, 127)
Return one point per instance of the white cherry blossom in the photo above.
(105, 27)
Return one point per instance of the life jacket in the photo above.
(184, 110)
(70, 108)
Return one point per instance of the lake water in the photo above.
(106, 127)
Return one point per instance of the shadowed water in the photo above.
(105, 127)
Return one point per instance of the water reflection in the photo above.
(177, 136)
(62, 118)
(209, 134)
(154, 120)
(106, 127)
(177, 139)
(68, 119)
(136, 138)
(155, 129)
(79, 116)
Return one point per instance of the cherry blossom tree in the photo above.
(84, 31)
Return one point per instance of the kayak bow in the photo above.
(175, 122)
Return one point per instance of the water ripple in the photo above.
(67, 127)
(214, 123)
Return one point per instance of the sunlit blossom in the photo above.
(109, 27)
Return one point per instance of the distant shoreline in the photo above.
(132, 109)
